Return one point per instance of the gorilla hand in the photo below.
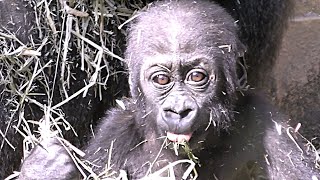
(49, 160)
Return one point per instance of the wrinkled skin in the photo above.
(183, 81)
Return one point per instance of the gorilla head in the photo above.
(182, 63)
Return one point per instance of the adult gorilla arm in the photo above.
(262, 145)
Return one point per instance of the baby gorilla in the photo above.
(182, 78)
(182, 58)
(182, 63)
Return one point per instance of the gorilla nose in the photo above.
(179, 121)
(179, 114)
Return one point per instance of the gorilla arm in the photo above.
(135, 147)
(51, 160)
(115, 136)
(255, 148)
(287, 154)
(133, 150)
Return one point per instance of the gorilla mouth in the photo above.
(179, 138)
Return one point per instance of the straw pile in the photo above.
(60, 66)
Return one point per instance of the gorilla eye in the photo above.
(196, 76)
(161, 79)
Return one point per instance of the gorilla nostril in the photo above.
(178, 114)
(170, 111)
(185, 113)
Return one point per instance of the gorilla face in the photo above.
(178, 88)
(184, 68)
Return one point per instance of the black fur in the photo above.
(235, 147)
(240, 152)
